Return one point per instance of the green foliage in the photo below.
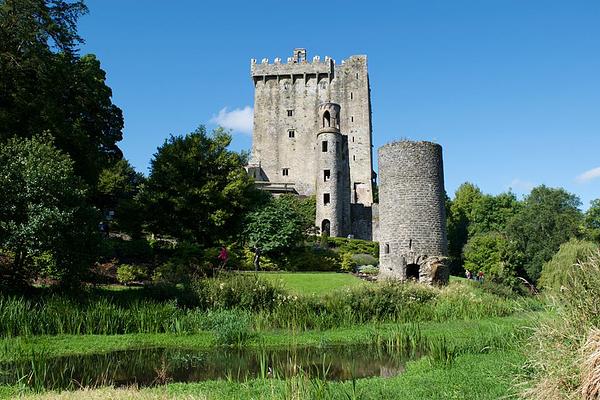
(557, 272)
(488, 253)
(592, 221)
(230, 327)
(492, 213)
(354, 246)
(127, 273)
(311, 259)
(198, 190)
(365, 259)
(46, 86)
(458, 220)
(278, 227)
(347, 263)
(119, 190)
(43, 212)
(548, 218)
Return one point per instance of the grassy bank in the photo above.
(318, 284)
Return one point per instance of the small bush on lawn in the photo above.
(127, 273)
(365, 259)
(354, 246)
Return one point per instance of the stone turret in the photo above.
(412, 220)
(332, 181)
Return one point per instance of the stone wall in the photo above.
(412, 220)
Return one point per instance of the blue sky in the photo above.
(509, 88)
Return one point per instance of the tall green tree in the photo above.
(119, 190)
(548, 218)
(458, 221)
(592, 220)
(46, 226)
(491, 213)
(278, 227)
(46, 86)
(198, 189)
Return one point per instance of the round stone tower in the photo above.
(332, 173)
(412, 217)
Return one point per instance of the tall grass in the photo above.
(565, 351)
(270, 308)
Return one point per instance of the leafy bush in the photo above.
(231, 327)
(369, 270)
(365, 259)
(354, 246)
(347, 264)
(311, 259)
(557, 271)
(127, 273)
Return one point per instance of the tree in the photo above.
(492, 213)
(548, 218)
(558, 270)
(46, 226)
(458, 220)
(490, 253)
(46, 86)
(119, 189)
(277, 227)
(198, 190)
(592, 220)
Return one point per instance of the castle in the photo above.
(312, 136)
(288, 118)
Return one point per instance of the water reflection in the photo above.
(153, 366)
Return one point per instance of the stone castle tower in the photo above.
(287, 113)
(333, 170)
(412, 217)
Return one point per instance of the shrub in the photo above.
(557, 271)
(365, 259)
(354, 246)
(347, 264)
(311, 259)
(127, 273)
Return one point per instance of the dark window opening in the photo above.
(325, 227)
(352, 118)
(412, 271)
(351, 96)
(326, 199)
(324, 146)
(387, 248)
(410, 244)
(292, 133)
(326, 175)
(290, 113)
(285, 172)
(326, 120)
(353, 158)
(352, 139)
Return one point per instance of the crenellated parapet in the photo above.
(291, 67)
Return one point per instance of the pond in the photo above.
(155, 366)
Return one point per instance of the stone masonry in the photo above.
(286, 102)
(412, 220)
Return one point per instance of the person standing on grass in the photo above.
(223, 257)
(480, 276)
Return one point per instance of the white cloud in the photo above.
(238, 120)
(588, 175)
(521, 185)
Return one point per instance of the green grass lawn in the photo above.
(313, 283)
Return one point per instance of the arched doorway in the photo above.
(412, 271)
(325, 227)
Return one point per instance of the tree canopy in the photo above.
(46, 86)
(198, 190)
(45, 224)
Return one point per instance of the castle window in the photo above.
(351, 96)
(290, 113)
(353, 158)
(357, 75)
(324, 146)
(285, 171)
(326, 175)
(292, 133)
(387, 248)
(326, 199)
(352, 118)
(352, 139)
